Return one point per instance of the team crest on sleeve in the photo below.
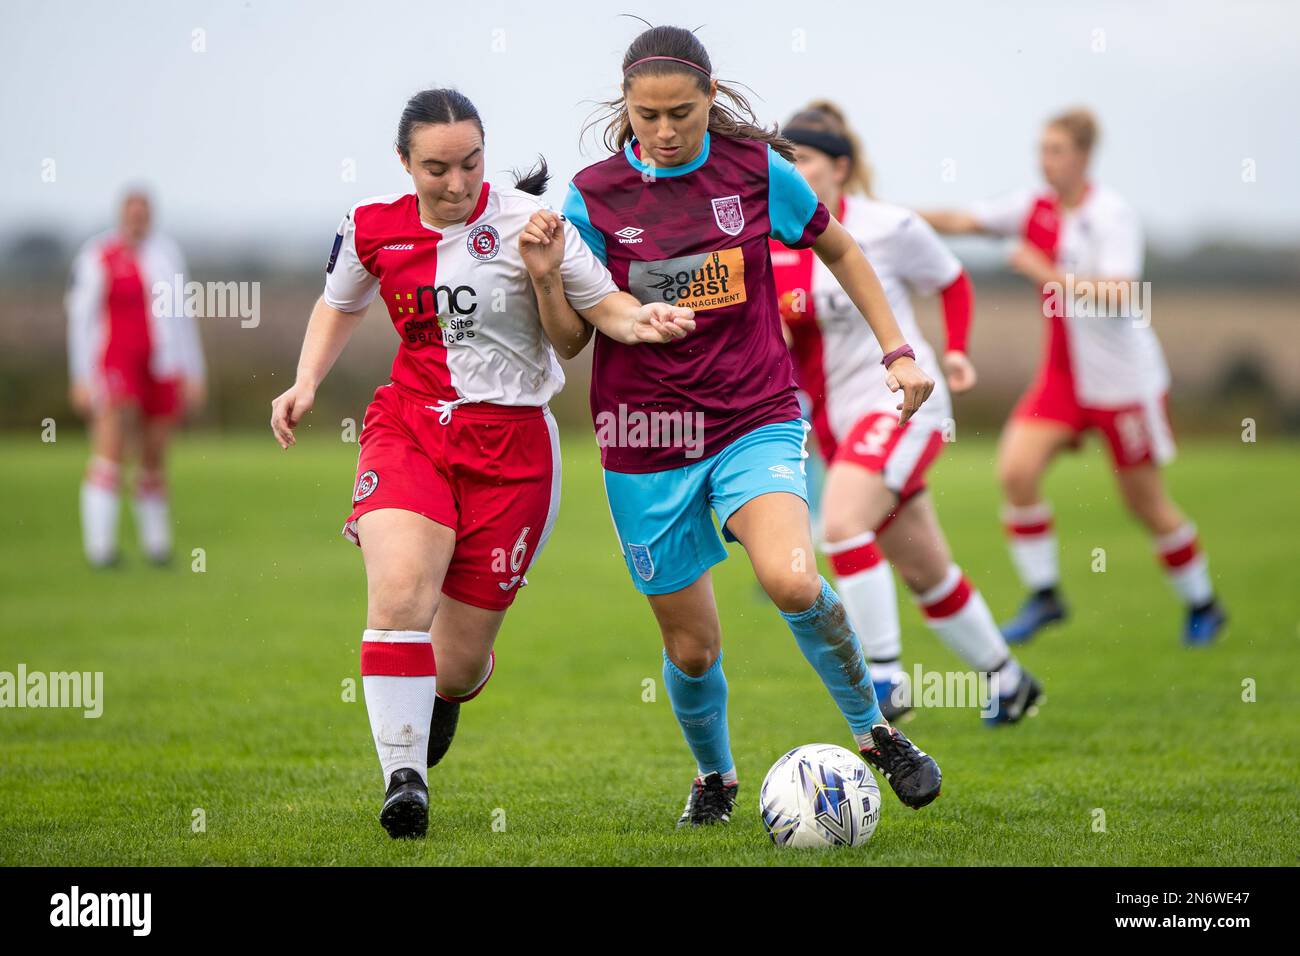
(728, 214)
(366, 486)
(641, 561)
(484, 241)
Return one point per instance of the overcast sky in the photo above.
(245, 128)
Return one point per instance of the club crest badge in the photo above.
(483, 241)
(728, 214)
(366, 486)
(641, 561)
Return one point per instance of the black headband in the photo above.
(829, 143)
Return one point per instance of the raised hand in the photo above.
(541, 244)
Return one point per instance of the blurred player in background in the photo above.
(682, 213)
(135, 366)
(874, 499)
(1103, 369)
(458, 475)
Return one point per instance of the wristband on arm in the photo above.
(903, 351)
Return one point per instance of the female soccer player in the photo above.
(133, 371)
(1103, 369)
(874, 500)
(458, 476)
(682, 214)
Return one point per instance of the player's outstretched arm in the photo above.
(951, 222)
(620, 316)
(327, 332)
(844, 257)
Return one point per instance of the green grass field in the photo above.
(224, 689)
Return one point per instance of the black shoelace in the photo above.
(900, 757)
(710, 802)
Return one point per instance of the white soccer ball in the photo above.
(820, 795)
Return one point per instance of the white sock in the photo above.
(153, 516)
(1032, 540)
(99, 510)
(1186, 566)
(1008, 677)
(400, 682)
(959, 615)
(865, 741)
(865, 584)
(886, 670)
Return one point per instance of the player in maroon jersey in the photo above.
(134, 367)
(458, 475)
(681, 214)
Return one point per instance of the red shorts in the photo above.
(491, 473)
(127, 381)
(1136, 434)
(900, 454)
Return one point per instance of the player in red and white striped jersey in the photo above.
(458, 475)
(133, 369)
(1103, 370)
(874, 499)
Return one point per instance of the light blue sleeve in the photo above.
(575, 210)
(791, 202)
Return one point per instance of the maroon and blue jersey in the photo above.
(696, 236)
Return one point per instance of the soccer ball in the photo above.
(820, 795)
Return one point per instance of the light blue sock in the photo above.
(826, 637)
(700, 704)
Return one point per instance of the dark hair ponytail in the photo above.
(685, 54)
(534, 181)
(446, 106)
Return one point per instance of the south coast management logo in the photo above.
(707, 280)
(629, 235)
(728, 214)
(483, 242)
(366, 486)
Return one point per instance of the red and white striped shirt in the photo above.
(120, 302)
(460, 297)
(1114, 359)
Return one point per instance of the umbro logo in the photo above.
(782, 471)
(401, 246)
(629, 234)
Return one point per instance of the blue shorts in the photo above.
(662, 517)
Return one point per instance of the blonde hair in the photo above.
(1080, 124)
(824, 116)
